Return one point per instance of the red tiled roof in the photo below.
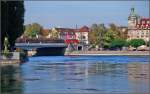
(44, 32)
(65, 30)
(82, 29)
(145, 19)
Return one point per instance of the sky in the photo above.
(69, 14)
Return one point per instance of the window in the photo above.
(83, 37)
(142, 33)
(143, 22)
(147, 33)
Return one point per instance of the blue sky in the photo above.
(69, 13)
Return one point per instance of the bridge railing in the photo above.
(39, 40)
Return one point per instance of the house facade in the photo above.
(67, 34)
(82, 35)
(76, 39)
(79, 36)
(138, 27)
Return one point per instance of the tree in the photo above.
(123, 33)
(27, 30)
(96, 34)
(136, 42)
(12, 20)
(44, 32)
(148, 43)
(108, 37)
(54, 34)
(31, 30)
(117, 43)
(113, 33)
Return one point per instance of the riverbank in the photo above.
(6, 62)
(16, 58)
(108, 53)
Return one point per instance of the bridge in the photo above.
(30, 46)
(42, 47)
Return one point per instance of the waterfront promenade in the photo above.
(108, 53)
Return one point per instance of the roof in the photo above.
(82, 29)
(145, 19)
(44, 32)
(65, 30)
(132, 14)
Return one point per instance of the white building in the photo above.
(138, 27)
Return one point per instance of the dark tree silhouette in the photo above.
(12, 19)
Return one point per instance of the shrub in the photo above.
(136, 42)
(117, 43)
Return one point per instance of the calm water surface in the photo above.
(79, 74)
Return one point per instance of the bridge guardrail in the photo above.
(36, 40)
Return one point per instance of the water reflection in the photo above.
(81, 76)
(11, 81)
(139, 77)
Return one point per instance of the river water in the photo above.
(78, 74)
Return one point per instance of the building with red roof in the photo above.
(138, 27)
(73, 35)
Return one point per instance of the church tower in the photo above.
(132, 19)
(133, 31)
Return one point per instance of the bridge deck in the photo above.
(38, 45)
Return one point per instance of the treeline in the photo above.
(31, 30)
(36, 30)
(100, 36)
(113, 37)
(103, 37)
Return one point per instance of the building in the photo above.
(138, 27)
(66, 34)
(82, 35)
(75, 37)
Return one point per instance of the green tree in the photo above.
(113, 33)
(31, 30)
(136, 42)
(127, 43)
(148, 43)
(117, 43)
(108, 37)
(27, 30)
(12, 19)
(116, 31)
(96, 35)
